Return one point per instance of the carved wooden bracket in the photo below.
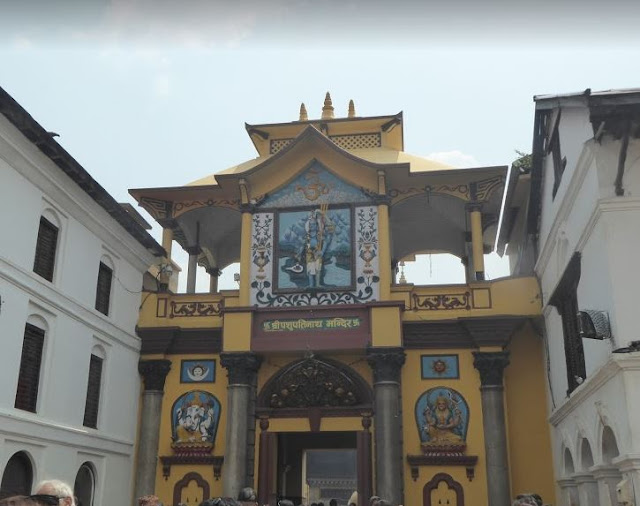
(442, 459)
(214, 460)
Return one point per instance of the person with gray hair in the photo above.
(50, 489)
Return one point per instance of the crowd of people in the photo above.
(58, 493)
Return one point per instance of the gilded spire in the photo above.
(303, 113)
(352, 109)
(327, 109)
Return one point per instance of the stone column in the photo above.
(475, 218)
(568, 492)
(240, 435)
(192, 268)
(386, 364)
(153, 372)
(491, 366)
(214, 274)
(587, 489)
(608, 477)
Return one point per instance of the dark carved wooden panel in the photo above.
(315, 383)
(433, 484)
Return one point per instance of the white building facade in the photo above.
(579, 202)
(72, 263)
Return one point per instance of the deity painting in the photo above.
(315, 249)
(442, 416)
(440, 367)
(198, 371)
(194, 418)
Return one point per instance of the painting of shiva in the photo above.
(442, 416)
(315, 249)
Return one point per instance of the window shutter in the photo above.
(93, 393)
(29, 376)
(46, 249)
(103, 290)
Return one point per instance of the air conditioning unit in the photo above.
(594, 324)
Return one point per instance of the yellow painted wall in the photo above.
(172, 390)
(236, 333)
(468, 385)
(386, 326)
(526, 412)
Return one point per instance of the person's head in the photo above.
(16, 500)
(52, 491)
(333, 502)
(320, 503)
(149, 500)
(374, 500)
(382, 502)
(285, 502)
(247, 494)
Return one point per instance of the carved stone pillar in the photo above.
(192, 268)
(491, 367)
(154, 373)
(240, 435)
(386, 364)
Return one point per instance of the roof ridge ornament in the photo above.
(303, 113)
(352, 109)
(327, 109)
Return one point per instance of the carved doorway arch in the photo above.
(435, 483)
(315, 384)
(200, 482)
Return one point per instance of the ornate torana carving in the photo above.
(154, 372)
(491, 366)
(312, 383)
(241, 367)
(386, 363)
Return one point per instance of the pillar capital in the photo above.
(491, 366)
(154, 372)
(241, 366)
(386, 363)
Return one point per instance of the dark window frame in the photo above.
(553, 148)
(44, 262)
(94, 387)
(565, 300)
(30, 369)
(103, 288)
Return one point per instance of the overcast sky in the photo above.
(155, 93)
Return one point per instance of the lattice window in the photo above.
(29, 375)
(277, 144)
(45, 260)
(92, 402)
(103, 288)
(361, 141)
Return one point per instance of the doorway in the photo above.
(315, 467)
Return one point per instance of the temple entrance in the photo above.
(315, 467)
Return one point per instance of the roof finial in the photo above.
(327, 109)
(303, 113)
(352, 109)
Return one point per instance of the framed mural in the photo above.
(442, 417)
(198, 371)
(195, 417)
(314, 249)
(439, 367)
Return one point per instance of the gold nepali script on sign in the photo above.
(310, 324)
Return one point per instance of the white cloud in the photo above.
(454, 158)
(161, 87)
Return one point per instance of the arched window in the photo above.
(17, 478)
(103, 285)
(85, 485)
(609, 445)
(47, 245)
